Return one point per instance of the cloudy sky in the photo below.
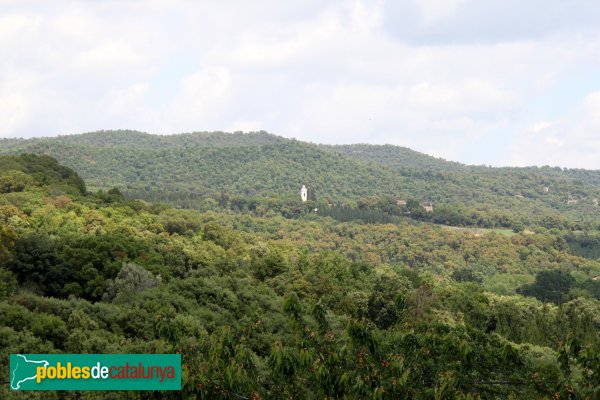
(498, 82)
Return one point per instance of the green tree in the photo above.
(7, 240)
(14, 181)
(130, 280)
(552, 286)
(387, 299)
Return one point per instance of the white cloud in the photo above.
(245, 126)
(20, 100)
(540, 126)
(572, 140)
(554, 141)
(110, 57)
(200, 101)
(440, 76)
(434, 11)
(592, 105)
(16, 24)
(127, 100)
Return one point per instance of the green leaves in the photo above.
(14, 181)
(552, 286)
(7, 240)
(130, 280)
(29, 169)
(292, 307)
(319, 313)
(267, 307)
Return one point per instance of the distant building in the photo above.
(428, 207)
(572, 200)
(546, 189)
(401, 203)
(595, 201)
(304, 194)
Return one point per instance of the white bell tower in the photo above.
(304, 194)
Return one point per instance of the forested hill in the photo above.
(410, 162)
(396, 157)
(266, 307)
(185, 168)
(208, 163)
(140, 140)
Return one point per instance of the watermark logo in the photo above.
(95, 372)
(22, 370)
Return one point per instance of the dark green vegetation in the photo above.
(245, 169)
(263, 306)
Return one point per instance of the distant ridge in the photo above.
(261, 164)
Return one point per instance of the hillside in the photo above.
(270, 307)
(572, 192)
(183, 169)
(403, 160)
(245, 164)
(396, 157)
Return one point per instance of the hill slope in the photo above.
(269, 307)
(207, 163)
(396, 157)
(552, 186)
(259, 164)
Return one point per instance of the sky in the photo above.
(494, 82)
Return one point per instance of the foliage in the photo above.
(19, 173)
(130, 280)
(185, 170)
(7, 239)
(263, 306)
(552, 285)
(14, 181)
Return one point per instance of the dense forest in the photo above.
(265, 298)
(189, 170)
